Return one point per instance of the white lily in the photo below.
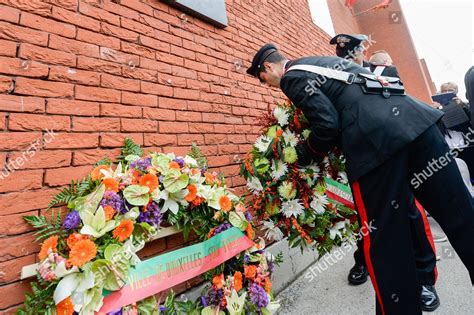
(72, 285)
(213, 202)
(95, 224)
(235, 303)
(61, 271)
(171, 201)
(318, 203)
(272, 232)
(336, 229)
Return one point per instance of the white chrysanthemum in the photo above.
(262, 143)
(290, 138)
(279, 169)
(281, 115)
(292, 208)
(254, 185)
(342, 177)
(318, 203)
(272, 232)
(337, 228)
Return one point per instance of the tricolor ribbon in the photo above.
(339, 192)
(165, 271)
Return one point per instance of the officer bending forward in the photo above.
(391, 145)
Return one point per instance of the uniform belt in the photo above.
(346, 77)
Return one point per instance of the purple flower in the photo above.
(248, 216)
(203, 301)
(179, 161)
(246, 259)
(214, 296)
(152, 215)
(72, 220)
(258, 296)
(112, 199)
(141, 164)
(222, 228)
(117, 312)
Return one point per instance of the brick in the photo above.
(155, 23)
(172, 103)
(15, 180)
(73, 141)
(201, 128)
(153, 43)
(139, 125)
(18, 140)
(64, 175)
(67, 4)
(186, 94)
(159, 114)
(187, 139)
(220, 128)
(38, 7)
(97, 94)
(14, 293)
(73, 46)
(43, 88)
(40, 23)
(119, 83)
(14, 103)
(214, 117)
(199, 106)
(40, 159)
(138, 6)
(198, 66)
(169, 58)
(139, 99)
(26, 122)
(94, 38)
(216, 161)
(87, 63)
(90, 157)
(139, 73)
(6, 84)
(197, 85)
(16, 246)
(14, 266)
(20, 202)
(3, 126)
(119, 32)
(117, 110)
(135, 49)
(9, 14)
(95, 124)
(119, 57)
(170, 80)
(228, 149)
(76, 19)
(185, 53)
(137, 27)
(188, 116)
(120, 10)
(157, 89)
(117, 139)
(184, 72)
(168, 38)
(22, 34)
(173, 127)
(179, 32)
(155, 65)
(74, 76)
(72, 107)
(46, 55)
(98, 14)
(7, 48)
(215, 138)
(160, 139)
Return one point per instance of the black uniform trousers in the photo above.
(422, 242)
(384, 198)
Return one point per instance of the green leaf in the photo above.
(238, 220)
(137, 195)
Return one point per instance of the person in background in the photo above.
(380, 63)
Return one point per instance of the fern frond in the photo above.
(198, 156)
(130, 148)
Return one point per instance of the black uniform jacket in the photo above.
(367, 127)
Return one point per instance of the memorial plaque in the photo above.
(212, 11)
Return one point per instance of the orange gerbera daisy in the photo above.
(135, 177)
(250, 271)
(249, 231)
(65, 307)
(237, 281)
(124, 230)
(82, 252)
(209, 178)
(218, 281)
(174, 165)
(268, 285)
(111, 184)
(96, 173)
(109, 212)
(150, 181)
(225, 203)
(192, 193)
(74, 238)
(50, 243)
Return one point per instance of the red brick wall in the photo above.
(342, 19)
(97, 71)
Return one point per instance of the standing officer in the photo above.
(388, 139)
(351, 47)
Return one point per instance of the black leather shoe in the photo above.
(357, 275)
(429, 298)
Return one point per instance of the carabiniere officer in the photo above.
(388, 139)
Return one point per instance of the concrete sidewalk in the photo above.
(329, 292)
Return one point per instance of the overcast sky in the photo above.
(442, 31)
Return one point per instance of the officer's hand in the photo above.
(457, 100)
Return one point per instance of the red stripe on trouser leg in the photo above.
(428, 233)
(368, 260)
